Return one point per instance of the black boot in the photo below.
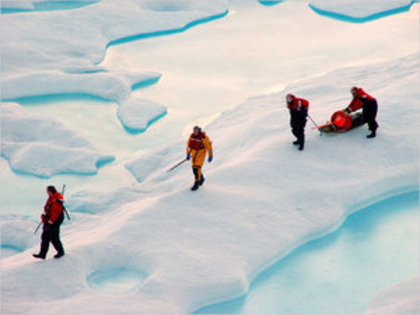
(296, 142)
(39, 256)
(202, 180)
(58, 255)
(196, 185)
(301, 147)
(372, 134)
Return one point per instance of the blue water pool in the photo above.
(340, 273)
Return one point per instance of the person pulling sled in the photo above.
(198, 145)
(298, 108)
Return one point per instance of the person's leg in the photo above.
(197, 177)
(198, 161)
(301, 137)
(370, 111)
(45, 242)
(55, 240)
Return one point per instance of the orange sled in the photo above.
(340, 121)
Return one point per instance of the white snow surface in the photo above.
(359, 8)
(61, 39)
(402, 298)
(137, 114)
(115, 86)
(57, 52)
(44, 147)
(262, 199)
(30, 4)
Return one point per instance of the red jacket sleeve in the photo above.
(359, 100)
(355, 104)
(304, 103)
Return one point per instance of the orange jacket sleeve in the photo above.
(208, 146)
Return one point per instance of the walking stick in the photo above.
(176, 165)
(64, 208)
(37, 228)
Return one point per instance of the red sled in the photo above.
(340, 122)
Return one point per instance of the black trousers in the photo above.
(299, 133)
(298, 129)
(51, 233)
(370, 110)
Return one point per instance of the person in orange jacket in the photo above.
(298, 108)
(198, 145)
(52, 218)
(369, 105)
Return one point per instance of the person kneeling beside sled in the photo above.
(197, 147)
(370, 108)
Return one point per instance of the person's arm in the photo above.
(354, 105)
(188, 148)
(209, 147)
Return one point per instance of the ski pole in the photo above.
(316, 125)
(176, 165)
(64, 208)
(37, 228)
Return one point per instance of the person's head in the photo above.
(51, 190)
(353, 91)
(196, 130)
(290, 98)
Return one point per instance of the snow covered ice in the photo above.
(139, 240)
(360, 10)
(35, 150)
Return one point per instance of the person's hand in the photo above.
(210, 159)
(43, 219)
(188, 156)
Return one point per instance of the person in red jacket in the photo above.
(52, 218)
(369, 105)
(298, 108)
